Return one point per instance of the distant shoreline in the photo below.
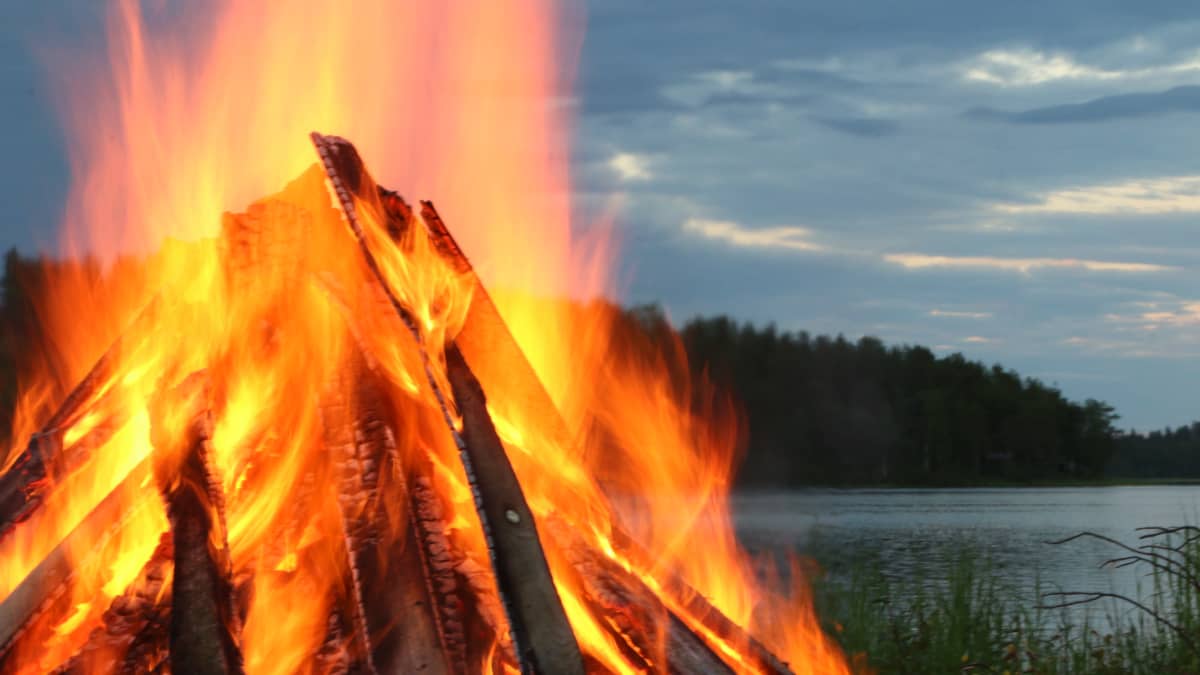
(1091, 482)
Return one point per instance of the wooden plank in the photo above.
(542, 635)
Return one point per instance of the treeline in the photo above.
(826, 410)
(1169, 454)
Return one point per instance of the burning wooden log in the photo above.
(204, 628)
(540, 627)
(396, 625)
(541, 634)
(23, 485)
(132, 637)
(45, 592)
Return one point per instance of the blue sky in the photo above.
(1017, 181)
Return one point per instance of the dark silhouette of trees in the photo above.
(1169, 454)
(824, 410)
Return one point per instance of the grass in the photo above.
(971, 621)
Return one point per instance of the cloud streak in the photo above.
(728, 232)
(1031, 67)
(951, 314)
(917, 261)
(1139, 196)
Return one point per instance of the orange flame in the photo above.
(459, 102)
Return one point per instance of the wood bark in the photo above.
(204, 628)
(132, 637)
(400, 607)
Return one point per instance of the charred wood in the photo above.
(484, 332)
(132, 637)
(439, 234)
(403, 614)
(543, 639)
(334, 657)
(687, 653)
(204, 627)
(432, 550)
(643, 625)
(399, 214)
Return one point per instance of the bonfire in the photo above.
(306, 438)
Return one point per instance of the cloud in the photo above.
(1031, 67)
(630, 167)
(1141, 196)
(1121, 106)
(978, 339)
(784, 237)
(863, 127)
(1023, 67)
(1178, 314)
(951, 314)
(1022, 265)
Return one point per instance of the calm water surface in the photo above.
(916, 533)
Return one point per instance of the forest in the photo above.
(824, 410)
(827, 410)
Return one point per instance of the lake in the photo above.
(916, 533)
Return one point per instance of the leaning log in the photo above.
(23, 485)
(642, 625)
(45, 591)
(539, 622)
(204, 626)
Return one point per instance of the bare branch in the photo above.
(1076, 598)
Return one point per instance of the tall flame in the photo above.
(459, 102)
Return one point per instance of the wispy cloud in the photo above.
(1030, 67)
(951, 314)
(1179, 313)
(1022, 265)
(630, 167)
(978, 340)
(783, 237)
(1170, 194)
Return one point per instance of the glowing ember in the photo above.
(269, 446)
